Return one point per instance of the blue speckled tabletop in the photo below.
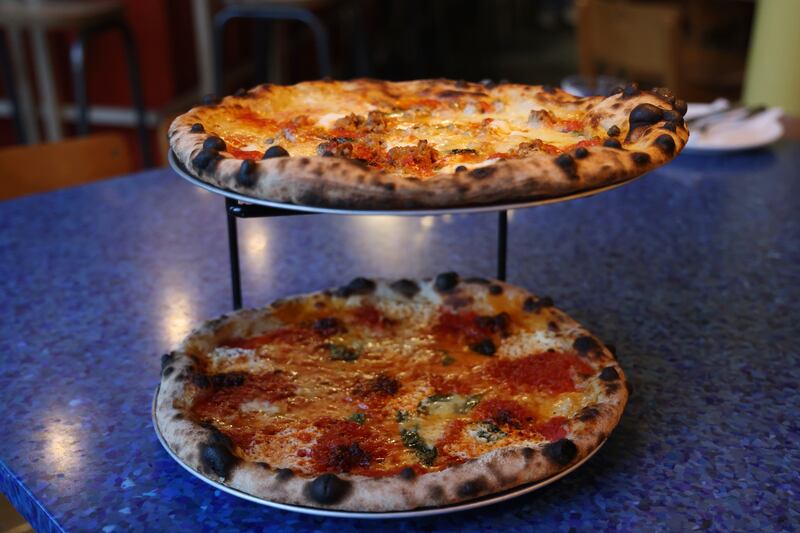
(693, 272)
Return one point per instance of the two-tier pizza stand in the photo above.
(240, 206)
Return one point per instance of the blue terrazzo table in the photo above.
(692, 272)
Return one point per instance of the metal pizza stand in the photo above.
(241, 206)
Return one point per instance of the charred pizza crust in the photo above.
(642, 130)
(208, 451)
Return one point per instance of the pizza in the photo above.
(370, 144)
(388, 395)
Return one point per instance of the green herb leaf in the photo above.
(425, 404)
(401, 416)
(488, 432)
(358, 418)
(340, 352)
(448, 360)
(411, 439)
(470, 403)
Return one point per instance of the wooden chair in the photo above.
(636, 42)
(86, 19)
(76, 161)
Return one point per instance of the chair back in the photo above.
(44, 167)
(632, 41)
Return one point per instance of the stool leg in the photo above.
(360, 44)
(77, 59)
(24, 87)
(11, 89)
(261, 50)
(321, 41)
(318, 29)
(135, 79)
(220, 20)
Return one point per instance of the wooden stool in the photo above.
(88, 19)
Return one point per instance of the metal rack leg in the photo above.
(77, 57)
(233, 249)
(502, 244)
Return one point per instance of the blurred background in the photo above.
(89, 87)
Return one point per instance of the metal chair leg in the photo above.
(77, 57)
(261, 49)
(361, 47)
(135, 79)
(322, 42)
(77, 60)
(11, 89)
(318, 30)
(218, 33)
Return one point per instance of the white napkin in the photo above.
(732, 131)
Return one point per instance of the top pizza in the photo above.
(369, 144)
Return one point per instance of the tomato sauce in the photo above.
(346, 133)
(374, 156)
(452, 435)
(504, 413)
(553, 429)
(572, 125)
(469, 327)
(408, 103)
(226, 401)
(549, 372)
(244, 154)
(249, 118)
(290, 335)
(346, 446)
(370, 317)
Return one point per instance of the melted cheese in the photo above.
(302, 117)
(380, 369)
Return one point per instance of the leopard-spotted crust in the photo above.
(651, 132)
(207, 451)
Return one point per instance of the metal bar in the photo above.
(318, 29)
(361, 48)
(77, 59)
(19, 65)
(43, 64)
(136, 92)
(260, 50)
(98, 114)
(502, 244)
(233, 251)
(201, 16)
(220, 20)
(11, 89)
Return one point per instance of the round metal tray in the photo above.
(185, 174)
(414, 513)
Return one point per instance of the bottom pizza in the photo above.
(389, 395)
